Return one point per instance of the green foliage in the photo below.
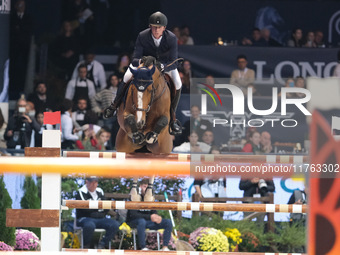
(7, 235)
(289, 237)
(69, 188)
(31, 200)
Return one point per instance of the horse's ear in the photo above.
(153, 69)
(133, 71)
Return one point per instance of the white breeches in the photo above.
(173, 74)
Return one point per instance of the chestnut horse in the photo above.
(144, 118)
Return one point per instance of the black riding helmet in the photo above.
(158, 19)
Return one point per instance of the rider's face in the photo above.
(157, 31)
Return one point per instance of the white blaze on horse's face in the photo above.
(140, 106)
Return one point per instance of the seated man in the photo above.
(143, 219)
(90, 219)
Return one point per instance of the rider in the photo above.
(161, 44)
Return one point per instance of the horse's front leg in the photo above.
(152, 136)
(131, 125)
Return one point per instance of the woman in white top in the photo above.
(193, 145)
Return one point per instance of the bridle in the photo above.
(142, 88)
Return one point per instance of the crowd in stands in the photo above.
(88, 88)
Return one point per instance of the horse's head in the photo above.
(142, 93)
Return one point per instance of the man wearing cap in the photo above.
(161, 45)
(143, 219)
(90, 219)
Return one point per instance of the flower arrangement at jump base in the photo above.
(151, 240)
(26, 240)
(70, 240)
(209, 239)
(5, 247)
(234, 238)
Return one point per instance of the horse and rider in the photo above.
(147, 117)
(161, 44)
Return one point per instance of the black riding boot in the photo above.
(110, 111)
(175, 127)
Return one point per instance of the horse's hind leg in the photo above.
(149, 197)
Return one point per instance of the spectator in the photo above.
(103, 99)
(318, 35)
(82, 116)
(187, 72)
(176, 32)
(243, 76)
(185, 83)
(103, 137)
(67, 137)
(208, 137)
(290, 83)
(21, 30)
(39, 117)
(211, 187)
(309, 41)
(253, 144)
(336, 72)
(65, 51)
(95, 70)
(185, 38)
(256, 39)
(42, 102)
(265, 142)
(89, 140)
(90, 219)
(265, 34)
(210, 80)
(193, 145)
(80, 87)
(299, 83)
(196, 124)
(296, 38)
(3, 126)
(20, 126)
(256, 188)
(143, 219)
(79, 13)
(122, 65)
(299, 197)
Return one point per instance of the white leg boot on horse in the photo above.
(149, 196)
(134, 196)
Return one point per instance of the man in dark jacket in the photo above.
(90, 219)
(161, 45)
(256, 188)
(143, 219)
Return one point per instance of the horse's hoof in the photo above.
(138, 138)
(151, 137)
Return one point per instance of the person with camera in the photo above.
(256, 188)
(20, 126)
